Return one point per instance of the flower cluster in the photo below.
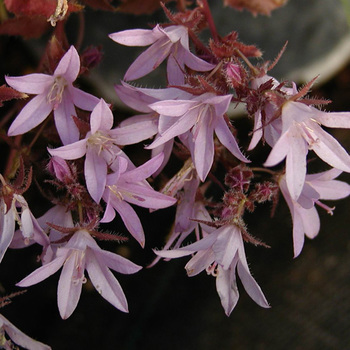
(88, 177)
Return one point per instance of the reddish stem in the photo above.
(206, 10)
(12, 155)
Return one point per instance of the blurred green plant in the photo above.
(346, 4)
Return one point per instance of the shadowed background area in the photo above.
(309, 295)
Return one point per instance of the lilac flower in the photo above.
(301, 131)
(304, 214)
(184, 185)
(171, 42)
(200, 116)
(17, 337)
(80, 253)
(29, 227)
(141, 127)
(139, 99)
(264, 125)
(220, 253)
(130, 186)
(100, 148)
(60, 216)
(54, 93)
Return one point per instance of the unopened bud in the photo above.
(59, 168)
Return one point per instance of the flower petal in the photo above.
(82, 99)
(149, 59)
(296, 166)
(226, 286)
(173, 108)
(71, 151)
(101, 117)
(42, 272)
(225, 136)
(36, 83)
(117, 262)
(69, 65)
(95, 171)
(330, 150)
(137, 130)
(199, 262)
(7, 229)
(70, 284)
(144, 196)
(144, 171)
(203, 147)
(250, 285)
(66, 128)
(31, 115)
(136, 37)
(105, 282)
(130, 219)
(226, 245)
(19, 337)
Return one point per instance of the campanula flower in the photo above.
(301, 132)
(54, 93)
(304, 214)
(221, 253)
(200, 116)
(80, 253)
(130, 186)
(171, 42)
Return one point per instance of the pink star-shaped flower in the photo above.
(200, 116)
(304, 214)
(171, 42)
(100, 148)
(130, 186)
(220, 253)
(30, 230)
(301, 132)
(144, 126)
(80, 253)
(54, 93)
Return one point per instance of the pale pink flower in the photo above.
(60, 216)
(99, 147)
(130, 186)
(171, 42)
(80, 253)
(54, 93)
(17, 337)
(264, 124)
(184, 186)
(220, 253)
(301, 132)
(29, 229)
(196, 120)
(304, 214)
(141, 127)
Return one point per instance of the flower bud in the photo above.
(59, 168)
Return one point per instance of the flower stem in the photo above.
(206, 9)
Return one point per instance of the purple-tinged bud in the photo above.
(58, 167)
(234, 73)
(264, 192)
(238, 178)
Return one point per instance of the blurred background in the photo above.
(309, 295)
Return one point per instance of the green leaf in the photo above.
(346, 4)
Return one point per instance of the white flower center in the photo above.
(54, 96)
(101, 141)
